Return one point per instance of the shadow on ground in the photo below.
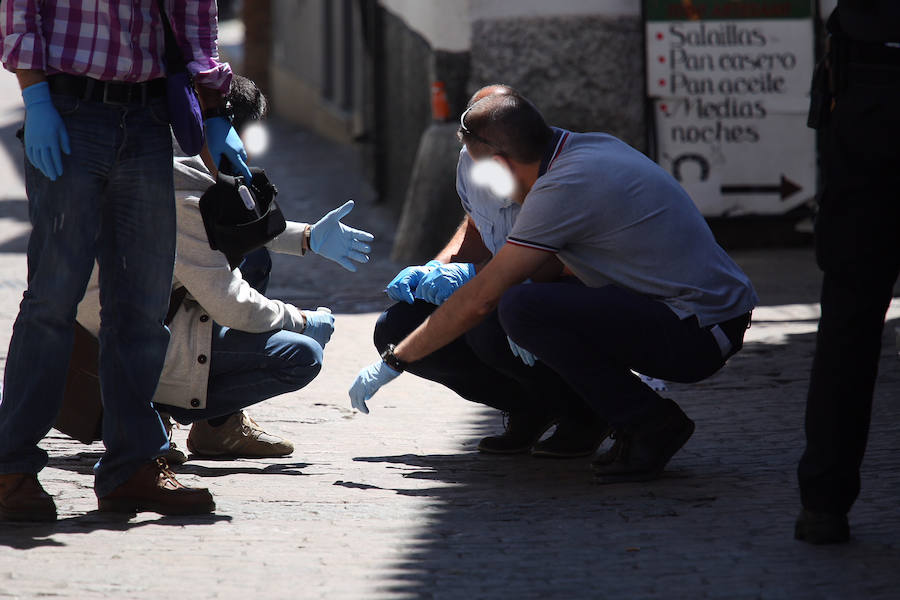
(25, 536)
(718, 524)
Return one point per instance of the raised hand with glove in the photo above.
(443, 280)
(319, 324)
(224, 141)
(45, 132)
(404, 284)
(335, 241)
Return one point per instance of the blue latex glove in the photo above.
(439, 284)
(526, 356)
(404, 283)
(319, 325)
(223, 140)
(335, 241)
(368, 382)
(45, 132)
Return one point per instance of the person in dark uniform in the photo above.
(856, 95)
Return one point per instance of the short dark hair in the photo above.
(247, 101)
(506, 124)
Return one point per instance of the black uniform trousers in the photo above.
(858, 249)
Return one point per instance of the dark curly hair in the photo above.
(247, 101)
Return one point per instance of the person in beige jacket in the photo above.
(231, 346)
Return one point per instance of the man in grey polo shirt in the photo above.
(484, 366)
(659, 296)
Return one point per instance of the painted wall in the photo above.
(444, 24)
(504, 9)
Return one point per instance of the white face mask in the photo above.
(256, 139)
(490, 174)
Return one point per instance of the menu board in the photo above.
(728, 84)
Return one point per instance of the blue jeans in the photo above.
(113, 204)
(247, 368)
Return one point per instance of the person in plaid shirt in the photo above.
(99, 182)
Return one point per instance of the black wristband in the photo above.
(224, 110)
(391, 360)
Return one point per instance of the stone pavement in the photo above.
(398, 504)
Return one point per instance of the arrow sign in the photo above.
(786, 189)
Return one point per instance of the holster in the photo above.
(829, 76)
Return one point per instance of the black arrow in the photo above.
(786, 189)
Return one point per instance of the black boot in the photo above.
(816, 527)
(641, 452)
(523, 429)
(573, 437)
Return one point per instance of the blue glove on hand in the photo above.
(335, 241)
(223, 140)
(526, 356)
(368, 382)
(45, 132)
(404, 283)
(319, 325)
(439, 284)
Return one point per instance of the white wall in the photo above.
(825, 8)
(445, 24)
(502, 9)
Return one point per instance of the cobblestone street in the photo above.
(399, 504)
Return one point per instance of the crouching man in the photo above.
(657, 295)
(231, 346)
(483, 365)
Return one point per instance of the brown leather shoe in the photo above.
(154, 488)
(239, 436)
(174, 456)
(22, 498)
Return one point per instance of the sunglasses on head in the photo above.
(468, 132)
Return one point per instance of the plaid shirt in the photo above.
(113, 40)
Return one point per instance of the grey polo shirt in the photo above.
(613, 216)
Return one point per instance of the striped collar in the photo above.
(554, 148)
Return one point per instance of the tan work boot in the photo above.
(174, 456)
(239, 436)
(22, 498)
(154, 488)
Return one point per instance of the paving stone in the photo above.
(398, 503)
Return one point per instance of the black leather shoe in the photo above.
(613, 453)
(573, 438)
(642, 452)
(523, 429)
(815, 527)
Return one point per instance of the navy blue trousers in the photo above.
(594, 337)
(480, 367)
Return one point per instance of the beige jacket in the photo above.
(215, 293)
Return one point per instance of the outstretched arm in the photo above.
(462, 311)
